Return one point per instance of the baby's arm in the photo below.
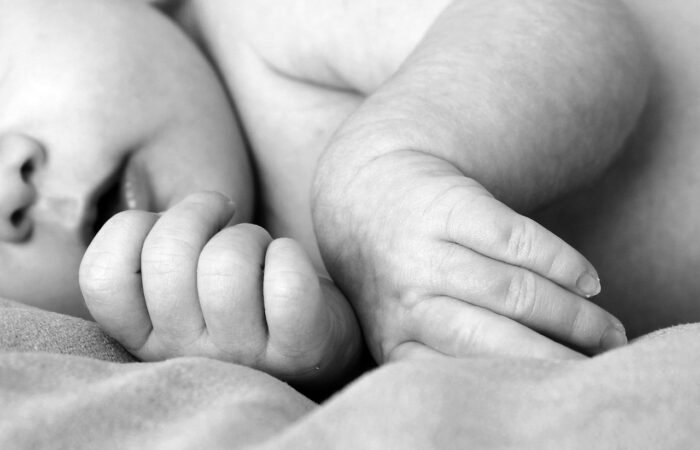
(520, 100)
(185, 284)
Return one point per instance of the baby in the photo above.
(110, 115)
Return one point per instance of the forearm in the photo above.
(529, 98)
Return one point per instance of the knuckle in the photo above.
(288, 285)
(233, 245)
(442, 265)
(221, 263)
(163, 261)
(521, 295)
(520, 239)
(168, 249)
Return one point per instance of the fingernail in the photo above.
(613, 338)
(588, 284)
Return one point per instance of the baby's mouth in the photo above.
(127, 188)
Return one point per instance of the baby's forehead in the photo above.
(31, 31)
(49, 25)
(86, 41)
(108, 62)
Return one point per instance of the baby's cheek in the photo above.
(44, 274)
(66, 298)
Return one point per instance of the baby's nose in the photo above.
(19, 157)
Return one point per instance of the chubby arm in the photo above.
(530, 98)
(520, 101)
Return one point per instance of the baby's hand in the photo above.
(436, 263)
(184, 284)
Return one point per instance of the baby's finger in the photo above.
(494, 230)
(169, 264)
(458, 329)
(298, 316)
(110, 278)
(229, 282)
(528, 298)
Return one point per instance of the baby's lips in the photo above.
(135, 191)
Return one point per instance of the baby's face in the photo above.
(104, 106)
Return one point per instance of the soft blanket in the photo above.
(64, 384)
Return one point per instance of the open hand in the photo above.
(438, 264)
